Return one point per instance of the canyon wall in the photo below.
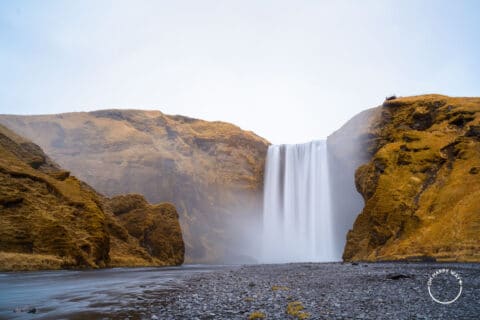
(421, 183)
(404, 180)
(52, 220)
(211, 171)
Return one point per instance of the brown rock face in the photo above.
(155, 226)
(211, 171)
(421, 186)
(46, 212)
(51, 220)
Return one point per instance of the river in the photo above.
(91, 294)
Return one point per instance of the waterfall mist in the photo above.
(297, 219)
(348, 149)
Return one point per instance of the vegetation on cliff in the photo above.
(211, 171)
(422, 184)
(50, 219)
(155, 226)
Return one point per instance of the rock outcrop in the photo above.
(49, 219)
(211, 171)
(155, 226)
(421, 184)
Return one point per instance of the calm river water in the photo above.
(93, 294)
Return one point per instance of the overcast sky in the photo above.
(291, 71)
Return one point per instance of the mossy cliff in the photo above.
(211, 171)
(421, 185)
(155, 226)
(50, 219)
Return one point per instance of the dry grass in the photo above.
(132, 261)
(295, 309)
(256, 315)
(28, 262)
(280, 288)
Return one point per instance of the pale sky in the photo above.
(291, 71)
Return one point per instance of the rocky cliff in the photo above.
(347, 150)
(421, 184)
(211, 171)
(51, 220)
(156, 227)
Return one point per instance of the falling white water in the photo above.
(297, 222)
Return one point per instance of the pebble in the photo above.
(326, 291)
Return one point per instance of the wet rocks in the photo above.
(398, 276)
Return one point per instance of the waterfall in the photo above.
(297, 222)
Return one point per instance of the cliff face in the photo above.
(211, 171)
(156, 227)
(347, 150)
(51, 220)
(421, 186)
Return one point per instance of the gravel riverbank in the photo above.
(282, 291)
(325, 291)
